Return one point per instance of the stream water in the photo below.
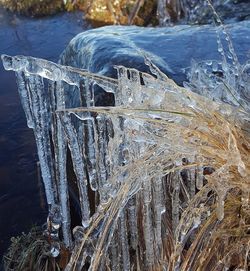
(22, 201)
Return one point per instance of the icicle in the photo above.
(220, 208)
(60, 158)
(87, 92)
(136, 88)
(190, 177)
(159, 209)
(38, 102)
(245, 198)
(87, 132)
(154, 69)
(54, 221)
(114, 253)
(220, 204)
(199, 177)
(176, 200)
(232, 54)
(147, 223)
(147, 195)
(90, 149)
(77, 159)
(109, 135)
(55, 249)
(25, 98)
(124, 242)
(60, 149)
(121, 94)
(162, 14)
(132, 221)
(102, 147)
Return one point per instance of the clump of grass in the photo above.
(218, 135)
(31, 251)
(33, 7)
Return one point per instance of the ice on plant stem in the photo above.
(158, 175)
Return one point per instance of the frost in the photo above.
(159, 176)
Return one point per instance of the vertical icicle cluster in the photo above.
(60, 156)
(140, 206)
(35, 104)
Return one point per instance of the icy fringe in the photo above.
(188, 11)
(162, 177)
(226, 81)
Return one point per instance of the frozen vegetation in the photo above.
(162, 176)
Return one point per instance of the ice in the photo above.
(162, 14)
(35, 104)
(227, 81)
(25, 97)
(188, 11)
(199, 177)
(148, 227)
(176, 200)
(79, 167)
(132, 222)
(57, 102)
(124, 242)
(157, 174)
(159, 209)
(55, 251)
(115, 253)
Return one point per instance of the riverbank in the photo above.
(136, 12)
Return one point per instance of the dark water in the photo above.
(22, 201)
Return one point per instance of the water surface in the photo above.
(22, 202)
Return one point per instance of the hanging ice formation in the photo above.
(155, 174)
(191, 11)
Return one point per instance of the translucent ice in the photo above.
(157, 176)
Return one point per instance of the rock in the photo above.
(121, 12)
(171, 49)
(163, 12)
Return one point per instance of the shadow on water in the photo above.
(22, 201)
